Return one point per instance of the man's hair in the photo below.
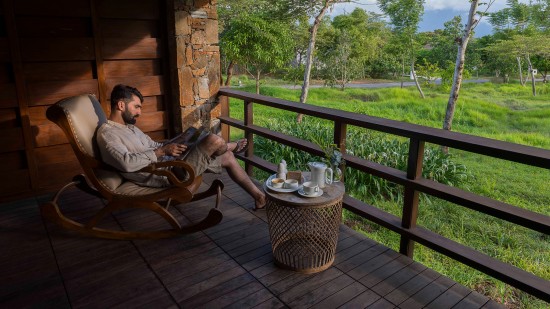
(123, 92)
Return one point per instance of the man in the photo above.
(128, 149)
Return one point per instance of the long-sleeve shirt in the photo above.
(128, 149)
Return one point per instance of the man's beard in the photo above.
(128, 117)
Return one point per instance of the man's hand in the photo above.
(172, 149)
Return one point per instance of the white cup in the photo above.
(310, 188)
(290, 184)
(277, 182)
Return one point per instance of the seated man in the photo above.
(128, 149)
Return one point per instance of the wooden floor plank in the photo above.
(217, 291)
(430, 292)
(251, 300)
(315, 296)
(373, 264)
(412, 286)
(233, 296)
(382, 304)
(361, 258)
(472, 300)
(288, 291)
(450, 298)
(376, 276)
(342, 296)
(394, 281)
(362, 300)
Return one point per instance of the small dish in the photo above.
(317, 194)
(280, 190)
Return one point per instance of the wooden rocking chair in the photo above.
(80, 117)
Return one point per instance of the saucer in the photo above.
(302, 193)
(280, 190)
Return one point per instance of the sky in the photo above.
(436, 12)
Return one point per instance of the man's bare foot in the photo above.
(260, 203)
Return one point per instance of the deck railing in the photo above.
(412, 180)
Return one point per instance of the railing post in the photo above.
(249, 120)
(340, 131)
(410, 206)
(224, 102)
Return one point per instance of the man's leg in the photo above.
(217, 147)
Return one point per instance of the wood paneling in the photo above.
(46, 93)
(51, 174)
(158, 135)
(12, 161)
(132, 68)
(66, 8)
(152, 104)
(53, 27)
(6, 71)
(147, 9)
(4, 50)
(48, 71)
(152, 121)
(147, 85)
(8, 118)
(37, 115)
(15, 182)
(47, 135)
(11, 140)
(54, 154)
(116, 28)
(121, 48)
(57, 49)
(8, 96)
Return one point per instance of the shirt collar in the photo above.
(116, 124)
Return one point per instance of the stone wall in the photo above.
(195, 62)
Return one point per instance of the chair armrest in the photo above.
(159, 168)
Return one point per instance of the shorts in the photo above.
(202, 162)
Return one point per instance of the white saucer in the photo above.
(281, 190)
(317, 194)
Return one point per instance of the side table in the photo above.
(304, 230)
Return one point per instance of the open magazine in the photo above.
(190, 138)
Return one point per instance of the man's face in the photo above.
(131, 111)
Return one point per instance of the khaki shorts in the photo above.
(202, 162)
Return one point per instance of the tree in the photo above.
(262, 45)
(473, 19)
(318, 8)
(405, 16)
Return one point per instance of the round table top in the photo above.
(331, 193)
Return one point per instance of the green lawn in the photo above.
(499, 111)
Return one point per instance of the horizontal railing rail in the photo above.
(411, 179)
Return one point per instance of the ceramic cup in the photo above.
(310, 188)
(277, 182)
(290, 184)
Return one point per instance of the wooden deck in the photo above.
(227, 266)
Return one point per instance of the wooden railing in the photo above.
(412, 180)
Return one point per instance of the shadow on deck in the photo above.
(227, 266)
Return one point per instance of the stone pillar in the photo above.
(194, 62)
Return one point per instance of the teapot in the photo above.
(319, 173)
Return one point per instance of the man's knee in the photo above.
(214, 144)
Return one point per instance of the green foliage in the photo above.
(448, 73)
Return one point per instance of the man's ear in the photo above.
(121, 105)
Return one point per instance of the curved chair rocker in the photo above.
(80, 117)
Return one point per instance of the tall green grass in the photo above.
(499, 111)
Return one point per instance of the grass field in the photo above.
(499, 111)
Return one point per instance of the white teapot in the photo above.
(320, 173)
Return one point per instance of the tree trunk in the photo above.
(459, 67)
(309, 58)
(416, 80)
(229, 72)
(257, 81)
(530, 66)
(520, 72)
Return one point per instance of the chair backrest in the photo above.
(80, 117)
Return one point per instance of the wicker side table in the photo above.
(303, 230)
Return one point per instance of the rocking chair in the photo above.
(80, 117)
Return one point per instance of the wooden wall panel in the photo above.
(67, 8)
(152, 104)
(123, 28)
(147, 9)
(54, 154)
(11, 140)
(153, 121)
(122, 48)
(158, 136)
(46, 93)
(6, 72)
(4, 50)
(51, 174)
(8, 118)
(15, 182)
(37, 115)
(57, 49)
(48, 135)
(147, 85)
(12, 161)
(132, 68)
(8, 95)
(53, 27)
(67, 70)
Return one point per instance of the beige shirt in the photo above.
(128, 149)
